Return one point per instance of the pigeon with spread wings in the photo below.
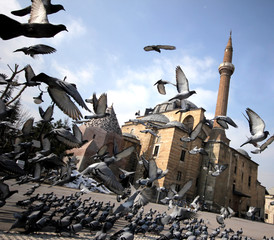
(158, 48)
(182, 85)
(60, 92)
(256, 127)
(161, 86)
(50, 8)
(99, 106)
(36, 49)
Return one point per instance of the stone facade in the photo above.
(269, 208)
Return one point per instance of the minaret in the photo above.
(226, 69)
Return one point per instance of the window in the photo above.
(183, 153)
(156, 150)
(177, 187)
(249, 181)
(235, 169)
(179, 176)
(266, 216)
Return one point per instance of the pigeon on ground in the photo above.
(223, 121)
(36, 49)
(194, 133)
(219, 168)
(256, 127)
(50, 8)
(99, 106)
(262, 147)
(158, 48)
(60, 92)
(103, 174)
(10, 28)
(161, 86)
(182, 85)
(5, 191)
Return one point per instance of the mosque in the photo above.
(237, 187)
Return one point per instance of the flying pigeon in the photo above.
(196, 150)
(73, 140)
(182, 85)
(102, 173)
(256, 127)
(60, 92)
(262, 147)
(10, 28)
(223, 121)
(36, 49)
(99, 106)
(161, 86)
(50, 8)
(150, 131)
(158, 48)
(194, 133)
(219, 168)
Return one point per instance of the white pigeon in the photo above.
(256, 127)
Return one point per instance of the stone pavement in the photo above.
(252, 229)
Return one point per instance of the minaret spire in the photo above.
(226, 69)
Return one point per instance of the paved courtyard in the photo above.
(252, 229)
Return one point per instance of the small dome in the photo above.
(156, 118)
(242, 151)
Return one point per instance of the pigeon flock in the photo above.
(31, 157)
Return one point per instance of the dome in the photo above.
(242, 151)
(160, 118)
(185, 105)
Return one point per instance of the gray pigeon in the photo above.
(161, 86)
(60, 92)
(158, 48)
(182, 85)
(256, 127)
(10, 28)
(50, 8)
(262, 147)
(223, 121)
(36, 49)
(102, 173)
(99, 106)
(219, 168)
(194, 133)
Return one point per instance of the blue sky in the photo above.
(103, 52)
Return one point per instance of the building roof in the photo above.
(174, 104)
(242, 151)
(160, 118)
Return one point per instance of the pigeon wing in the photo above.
(166, 47)
(38, 13)
(77, 133)
(102, 104)
(152, 170)
(29, 74)
(181, 80)
(195, 132)
(185, 188)
(42, 49)
(266, 143)
(256, 124)
(148, 48)
(63, 101)
(161, 88)
(73, 92)
(27, 126)
(125, 153)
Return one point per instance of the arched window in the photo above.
(189, 121)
